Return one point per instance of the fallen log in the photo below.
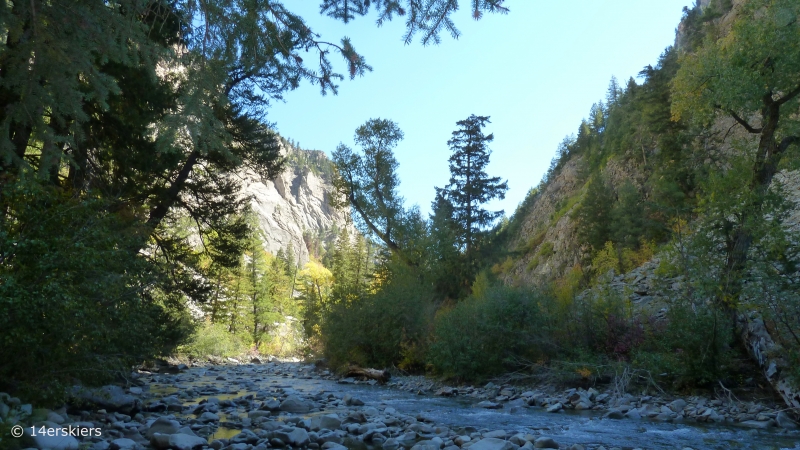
(381, 376)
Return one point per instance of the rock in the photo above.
(784, 421)
(390, 444)
(545, 442)
(555, 408)
(112, 398)
(271, 405)
(55, 418)
(614, 414)
(296, 437)
(446, 391)
(758, 424)
(678, 405)
(294, 404)
(123, 444)
(135, 390)
(208, 417)
(461, 440)
(426, 445)
(52, 438)
(489, 405)
(163, 425)
(492, 444)
(500, 434)
(328, 422)
(257, 414)
(575, 447)
(333, 446)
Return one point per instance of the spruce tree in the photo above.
(470, 186)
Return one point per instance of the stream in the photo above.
(586, 428)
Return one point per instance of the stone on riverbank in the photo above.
(492, 444)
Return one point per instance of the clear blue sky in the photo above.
(536, 72)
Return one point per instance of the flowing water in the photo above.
(585, 428)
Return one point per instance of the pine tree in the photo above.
(470, 186)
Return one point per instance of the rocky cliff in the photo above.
(293, 209)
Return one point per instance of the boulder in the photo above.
(111, 398)
(545, 442)
(296, 437)
(678, 405)
(555, 408)
(163, 425)
(329, 422)
(489, 405)
(758, 424)
(784, 421)
(492, 444)
(123, 444)
(294, 404)
(52, 438)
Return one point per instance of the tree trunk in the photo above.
(767, 353)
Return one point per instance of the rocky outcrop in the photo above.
(294, 206)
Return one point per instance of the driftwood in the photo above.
(381, 376)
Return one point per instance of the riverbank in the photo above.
(279, 404)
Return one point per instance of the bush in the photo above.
(484, 335)
(214, 339)
(693, 346)
(384, 328)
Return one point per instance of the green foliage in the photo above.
(215, 339)
(76, 302)
(483, 335)
(386, 326)
(693, 348)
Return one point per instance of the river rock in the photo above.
(492, 444)
(163, 425)
(295, 404)
(390, 444)
(111, 398)
(123, 444)
(208, 417)
(784, 421)
(758, 424)
(271, 405)
(614, 414)
(52, 438)
(555, 408)
(328, 422)
(678, 405)
(333, 446)
(544, 442)
(426, 445)
(500, 434)
(489, 405)
(297, 437)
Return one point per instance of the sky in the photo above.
(535, 71)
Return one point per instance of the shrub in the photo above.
(693, 346)
(214, 339)
(383, 328)
(484, 335)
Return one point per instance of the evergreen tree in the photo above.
(470, 186)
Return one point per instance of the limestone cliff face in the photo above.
(294, 207)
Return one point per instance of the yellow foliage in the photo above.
(584, 372)
(606, 260)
